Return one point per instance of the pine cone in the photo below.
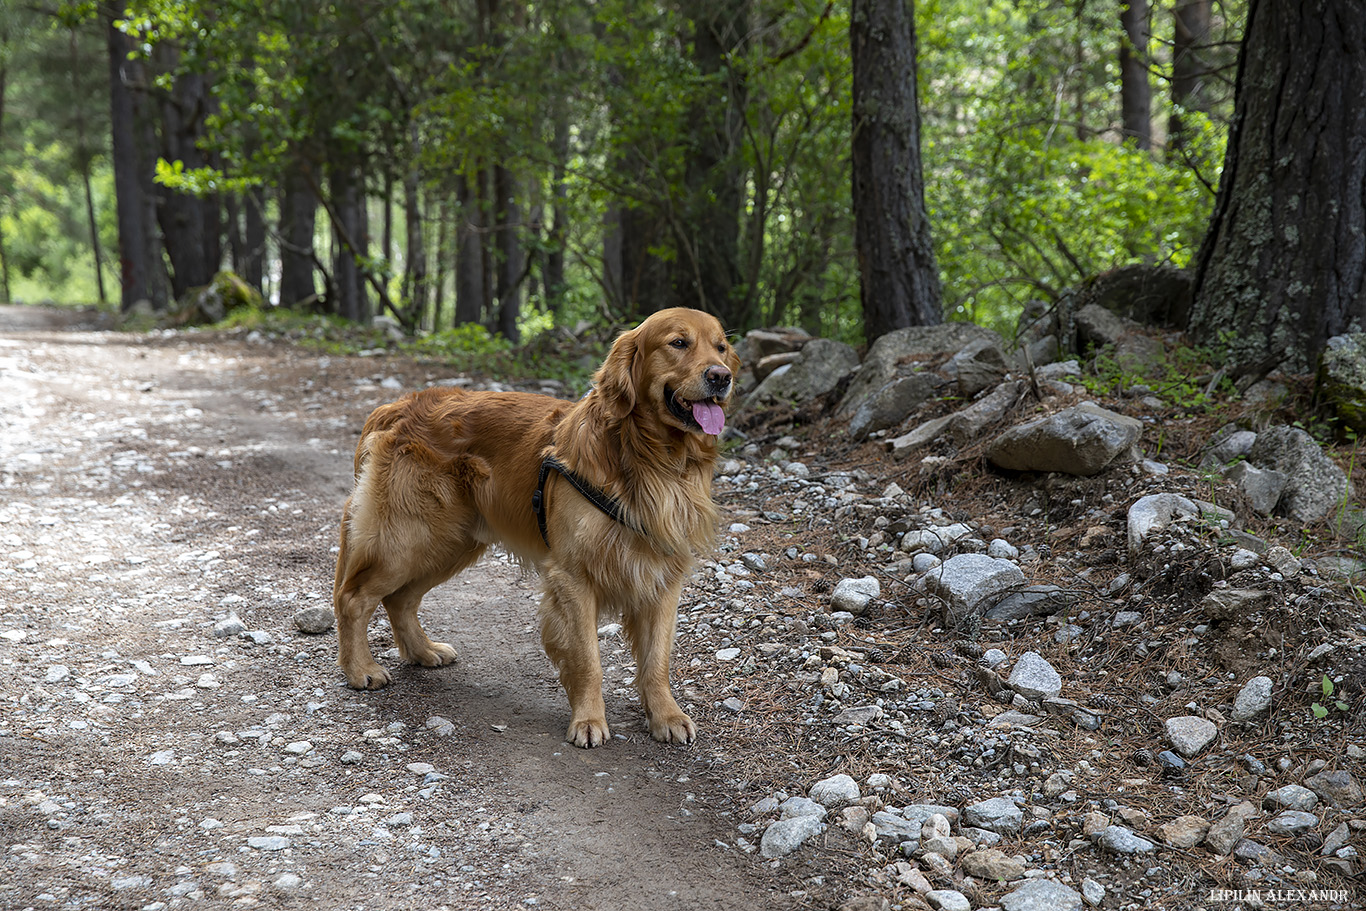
(956, 795)
(1142, 757)
(968, 649)
(1100, 701)
(944, 659)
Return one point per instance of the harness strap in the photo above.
(606, 503)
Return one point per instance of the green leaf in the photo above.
(1319, 711)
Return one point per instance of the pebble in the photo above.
(1292, 822)
(835, 791)
(1253, 699)
(1034, 677)
(1042, 895)
(734, 704)
(57, 673)
(948, 900)
(1092, 892)
(1337, 787)
(1122, 840)
(855, 595)
(229, 626)
(1291, 797)
(992, 865)
(787, 835)
(999, 815)
(268, 842)
(1184, 831)
(1189, 734)
(314, 620)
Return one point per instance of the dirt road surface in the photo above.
(152, 756)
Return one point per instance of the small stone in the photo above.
(1283, 561)
(351, 757)
(1171, 762)
(948, 900)
(57, 673)
(268, 842)
(288, 882)
(1251, 852)
(1092, 892)
(835, 791)
(734, 704)
(1225, 833)
(1335, 840)
(1242, 558)
(314, 620)
(1034, 677)
(787, 835)
(1189, 734)
(1122, 840)
(1042, 895)
(992, 865)
(1002, 549)
(1337, 787)
(1253, 699)
(728, 654)
(1291, 797)
(1292, 822)
(1183, 831)
(229, 626)
(801, 806)
(999, 815)
(993, 657)
(855, 595)
(299, 747)
(1093, 823)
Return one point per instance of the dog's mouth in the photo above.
(705, 415)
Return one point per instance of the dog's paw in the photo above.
(436, 655)
(367, 677)
(588, 734)
(673, 728)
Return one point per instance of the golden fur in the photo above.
(443, 473)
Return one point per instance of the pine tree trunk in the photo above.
(1283, 265)
(4, 260)
(1190, 66)
(899, 277)
(511, 254)
(470, 297)
(351, 230)
(1135, 91)
(559, 212)
(132, 145)
(415, 273)
(298, 215)
(707, 268)
(189, 224)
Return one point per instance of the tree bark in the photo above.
(132, 144)
(470, 297)
(1283, 265)
(298, 215)
(511, 256)
(351, 227)
(559, 213)
(415, 273)
(1190, 65)
(4, 261)
(899, 278)
(189, 224)
(1135, 91)
(707, 268)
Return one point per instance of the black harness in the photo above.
(608, 504)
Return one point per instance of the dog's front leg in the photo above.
(569, 632)
(650, 629)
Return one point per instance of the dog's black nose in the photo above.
(717, 376)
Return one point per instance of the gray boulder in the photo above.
(963, 582)
(1263, 487)
(1098, 328)
(818, 368)
(890, 355)
(1031, 601)
(1042, 895)
(1342, 378)
(1228, 443)
(967, 424)
(1082, 440)
(999, 815)
(891, 404)
(1315, 485)
(981, 365)
(910, 443)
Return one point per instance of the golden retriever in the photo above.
(443, 473)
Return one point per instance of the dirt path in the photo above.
(150, 486)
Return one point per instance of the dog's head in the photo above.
(676, 369)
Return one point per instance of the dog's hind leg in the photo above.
(569, 632)
(413, 642)
(650, 631)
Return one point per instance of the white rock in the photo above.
(1253, 699)
(854, 595)
(1189, 734)
(835, 791)
(1034, 677)
(787, 835)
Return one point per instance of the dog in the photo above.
(609, 498)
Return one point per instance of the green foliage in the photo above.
(1185, 378)
(1321, 710)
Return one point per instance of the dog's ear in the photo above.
(619, 376)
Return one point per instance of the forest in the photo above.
(844, 166)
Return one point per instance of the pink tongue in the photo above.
(710, 416)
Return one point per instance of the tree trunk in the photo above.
(470, 297)
(139, 266)
(4, 261)
(898, 275)
(1283, 265)
(351, 229)
(559, 212)
(1190, 65)
(707, 268)
(83, 160)
(443, 255)
(298, 214)
(189, 224)
(1135, 91)
(253, 270)
(415, 273)
(511, 257)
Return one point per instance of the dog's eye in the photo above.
(721, 348)
(679, 343)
